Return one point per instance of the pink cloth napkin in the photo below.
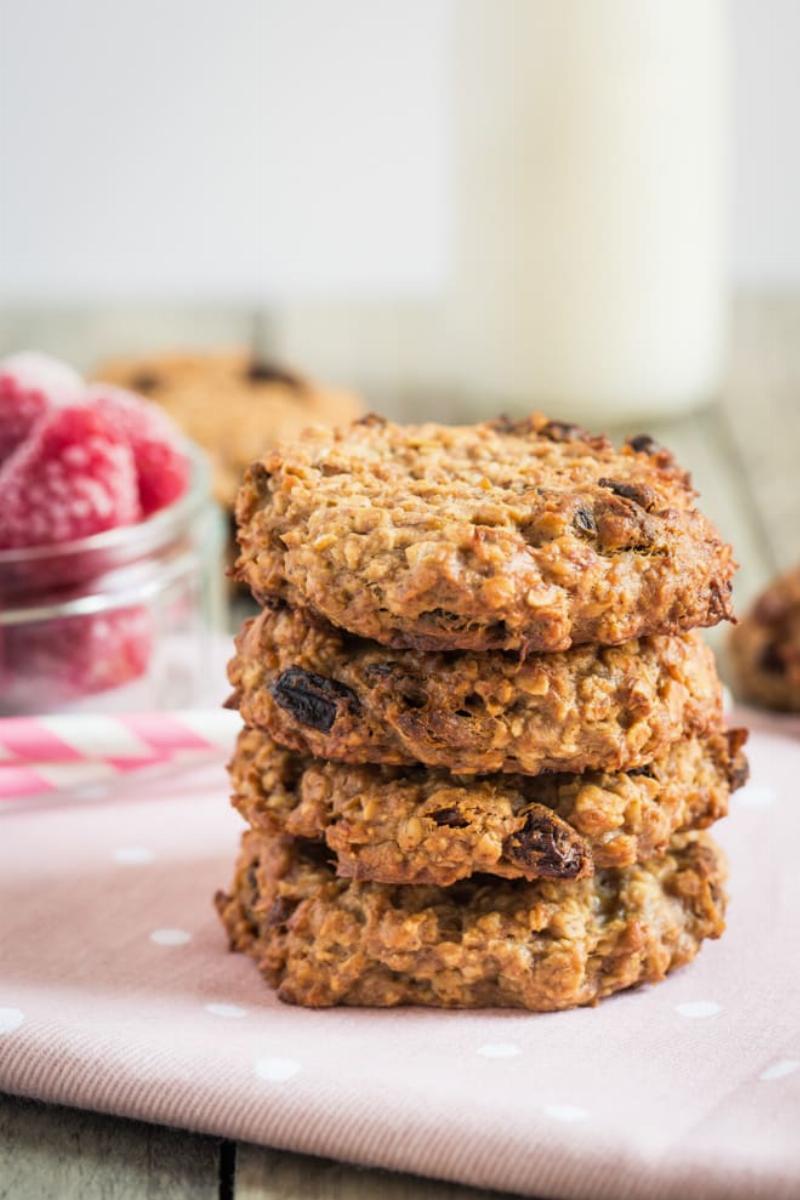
(117, 994)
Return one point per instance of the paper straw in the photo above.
(43, 755)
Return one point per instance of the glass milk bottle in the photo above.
(589, 203)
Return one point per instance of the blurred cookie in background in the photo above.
(765, 647)
(233, 405)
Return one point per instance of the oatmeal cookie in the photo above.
(529, 535)
(322, 692)
(231, 404)
(547, 945)
(400, 825)
(765, 647)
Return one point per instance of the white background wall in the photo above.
(766, 122)
(254, 149)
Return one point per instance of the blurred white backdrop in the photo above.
(260, 149)
(240, 149)
(765, 246)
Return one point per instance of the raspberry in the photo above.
(73, 476)
(19, 412)
(30, 384)
(161, 463)
(62, 659)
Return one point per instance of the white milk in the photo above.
(589, 202)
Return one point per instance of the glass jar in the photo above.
(126, 620)
(588, 261)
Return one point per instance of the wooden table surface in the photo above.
(743, 453)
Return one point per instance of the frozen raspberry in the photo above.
(161, 463)
(72, 477)
(30, 384)
(19, 411)
(63, 659)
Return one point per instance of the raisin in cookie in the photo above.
(320, 691)
(542, 946)
(765, 647)
(231, 404)
(405, 825)
(528, 535)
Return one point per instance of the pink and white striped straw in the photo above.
(40, 756)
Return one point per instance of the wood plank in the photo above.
(49, 1153)
(761, 406)
(84, 336)
(263, 1174)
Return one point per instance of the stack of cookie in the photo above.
(482, 734)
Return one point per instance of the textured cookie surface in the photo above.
(416, 825)
(542, 946)
(765, 647)
(530, 535)
(317, 690)
(231, 404)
